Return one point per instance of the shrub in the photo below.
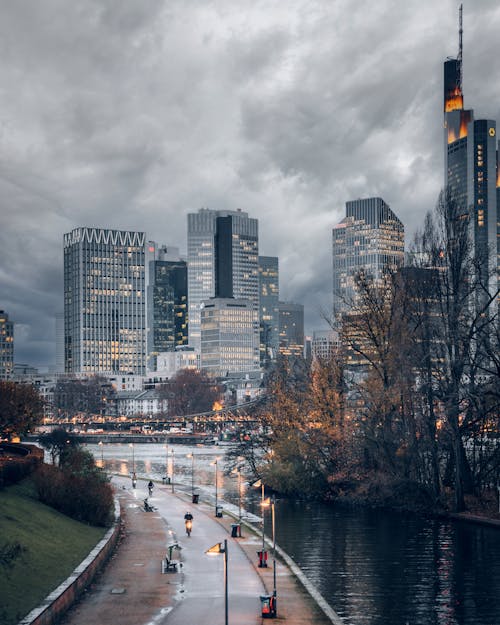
(78, 489)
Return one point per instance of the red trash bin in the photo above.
(262, 559)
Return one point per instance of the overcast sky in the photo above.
(130, 114)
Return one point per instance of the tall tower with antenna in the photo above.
(456, 122)
(470, 165)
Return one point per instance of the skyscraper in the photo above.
(223, 249)
(291, 317)
(269, 307)
(59, 368)
(167, 301)
(369, 238)
(471, 173)
(104, 301)
(6, 346)
(228, 336)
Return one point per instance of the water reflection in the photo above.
(374, 568)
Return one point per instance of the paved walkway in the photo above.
(133, 591)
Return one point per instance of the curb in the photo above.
(64, 596)
(297, 571)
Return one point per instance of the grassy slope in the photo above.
(53, 546)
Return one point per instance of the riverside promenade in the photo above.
(132, 590)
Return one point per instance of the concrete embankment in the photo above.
(66, 594)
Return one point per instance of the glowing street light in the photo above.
(271, 502)
(262, 562)
(101, 445)
(192, 472)
(133, 456)
(173, 472)
(166, 462)
(217, 550)
(215, 482)
(238, 472)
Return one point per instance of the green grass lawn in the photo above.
(53, 546)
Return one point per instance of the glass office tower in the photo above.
(369, 238)
(269, 292)
(104, 301)
(223, 249)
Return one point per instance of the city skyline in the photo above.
(134, 116)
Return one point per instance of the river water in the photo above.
(372, 567)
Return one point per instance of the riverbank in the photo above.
(379, 492)
(50, 547)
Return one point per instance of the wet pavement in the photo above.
(132, 590)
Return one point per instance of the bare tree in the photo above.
(189, 392)
(21, 408)
(463, 308)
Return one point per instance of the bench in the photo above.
(169, 566)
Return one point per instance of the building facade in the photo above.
(291, 319)
(104, 301)
(59, 321)
(269, 292)
(324, 344)
(370, 239)
(229, 343)
(223, 249)
(169, 363)
(6, 346)
(167, 302)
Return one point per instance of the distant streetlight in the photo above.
(192, 471)
(133, 457)
(260, 484)
(166, 462)
(271, 502)
(215, 482)
(238, 472)
(101, 445)
(173, 466)
(217, 550)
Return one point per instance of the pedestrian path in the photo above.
(132, 590)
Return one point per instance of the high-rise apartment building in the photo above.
(471, 171)
(269, 292)
(223, 249)
(228, 342)
(369, 238)
(291, 319)
(59, 367)
(167, 301)
(104, 301)
(6, 346)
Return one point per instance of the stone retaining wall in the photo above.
(65, 595)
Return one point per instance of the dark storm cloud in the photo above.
(128, 115)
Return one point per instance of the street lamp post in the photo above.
(260, 483)
(173, 472)
(215, 482)
(192, 472)
(166, 462)
(239, 495)
(216, 550)
(101, 445)
(272, 503)
(133, 457)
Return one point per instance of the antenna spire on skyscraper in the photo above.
(460, 47)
